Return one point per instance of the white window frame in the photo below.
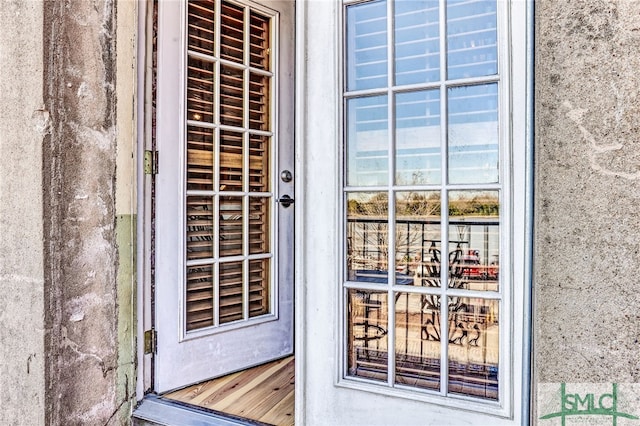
(514, 219)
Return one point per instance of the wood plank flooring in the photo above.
(263, 393)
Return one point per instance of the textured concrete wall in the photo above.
(23, 123)
(587, 213)
(88, 376)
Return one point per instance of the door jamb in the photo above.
(143, 315)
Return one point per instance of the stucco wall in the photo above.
(587, 184)
(89, 265)
(22, 125)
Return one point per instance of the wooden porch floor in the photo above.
(263, 393)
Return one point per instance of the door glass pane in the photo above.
(259, 220)
(367, 141)
(260, 41)
(199, 297)
(367, 45)
(417, 41)
(232, 34)
(230, 299)
(471, 38)
(230, 231)
(258, 102)
(418, 137)
(259, 148)
(473, 142)
(418, 340)
(231, 96)
(367, 334)
(418, 237)
(200, 213)
(420, 141)
(474, 240)
(200, 157)
(474, 347)
(229, 149)
(367, 237)
(259, 287)
(200, 81)
(201, 27)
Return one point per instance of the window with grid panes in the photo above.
(228, 155)
(426, 209)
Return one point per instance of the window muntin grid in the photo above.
(426, 130)
(229, 151)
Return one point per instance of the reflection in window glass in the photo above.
(471, 38)
(367, 45)
(367, 237)
(418, 137)
(474, 240)
(474, 349)
(417, 345)
(367, 141)
(473, 134)
(417, 41)
(418, 237)
(417, 140)
(367, 334)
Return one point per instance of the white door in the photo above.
(224, 135)
(413, 204)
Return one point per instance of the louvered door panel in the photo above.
(228, 164)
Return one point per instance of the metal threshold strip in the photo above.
(154, 410)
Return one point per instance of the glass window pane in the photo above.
(259, 272)
(260, 46)
(200, 286)
(471, 38)
(474, 351)
(418, 138)
(200, 90)
(231, 32)
(200, 154)
(200, 214)
(367, 237)
(473, 141)
(259, 118)
(231, 228)
(367, 334)
(231, 161)
(417, 336)
(231, 96)
(259, 222)
(231, 291)
(367, 45)
(201, 28)
(259, 160)
(474, 240)
(418, 237)
(367, 141)
(417, 41)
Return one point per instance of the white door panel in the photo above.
(223, 245)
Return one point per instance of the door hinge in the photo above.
(151, 162)
(150, 341)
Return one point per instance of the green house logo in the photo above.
(590, 404)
